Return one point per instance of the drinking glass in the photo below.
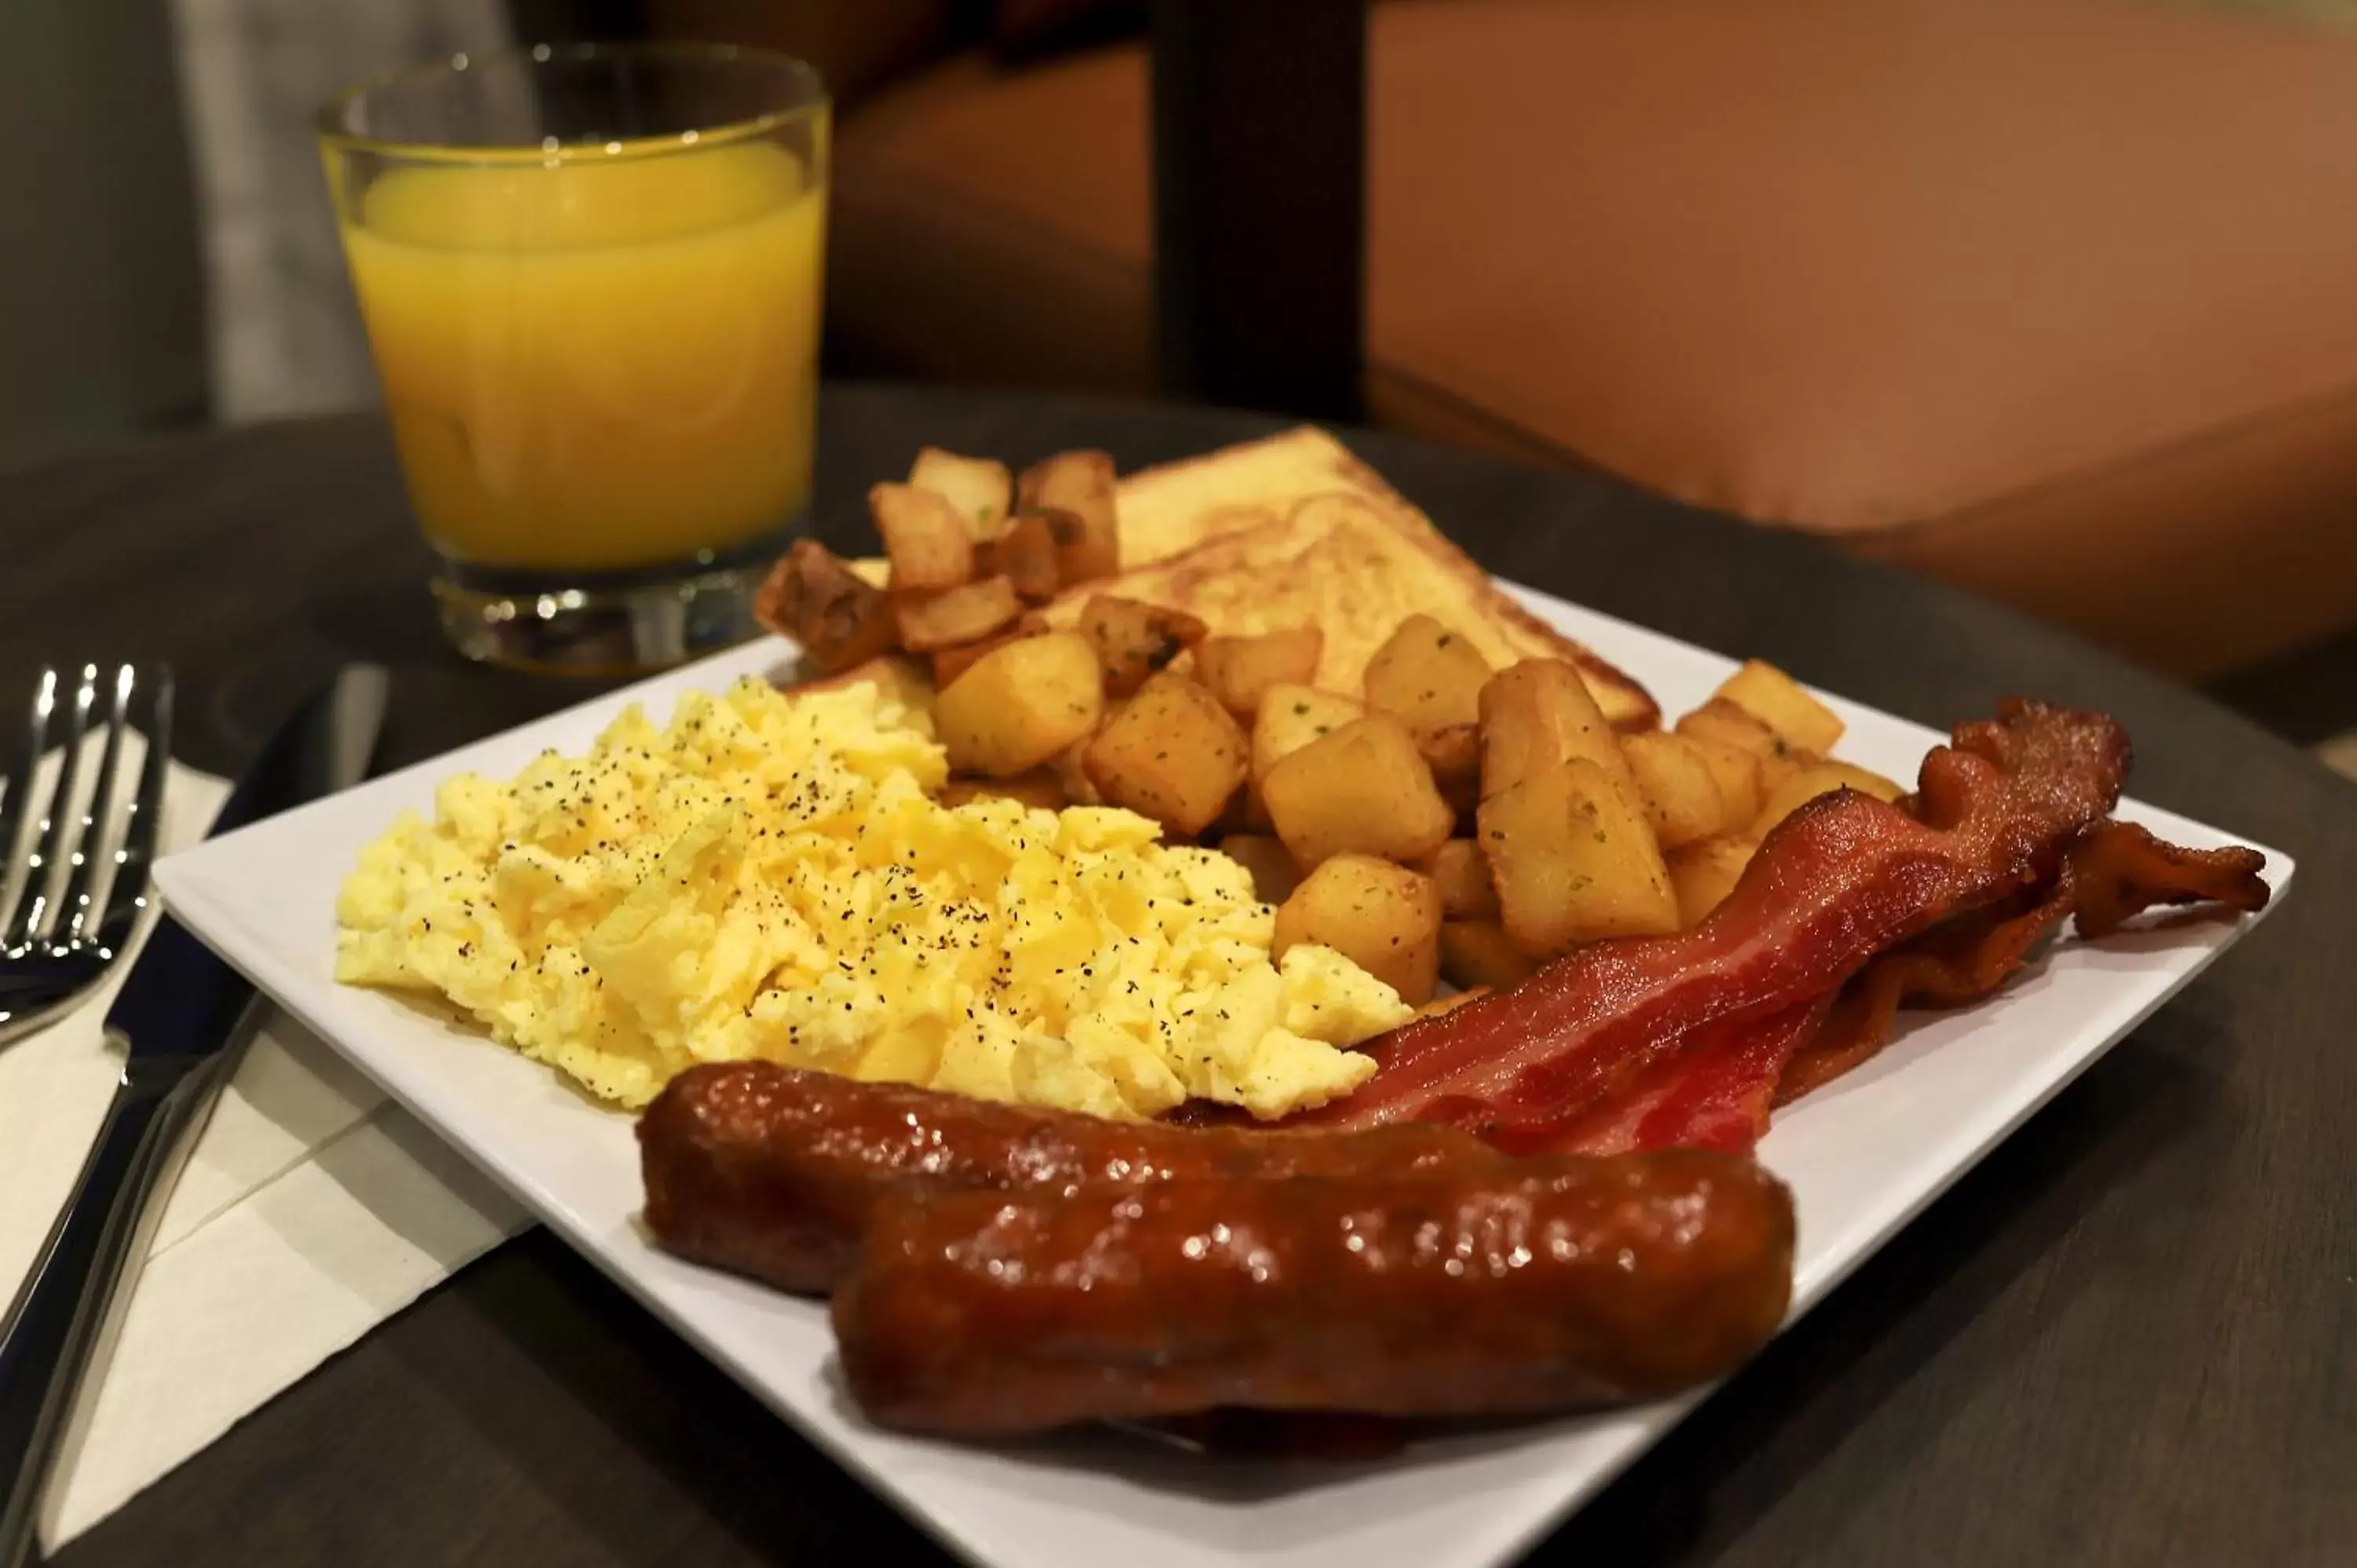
(591, 281)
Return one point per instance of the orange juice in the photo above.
(598, 361)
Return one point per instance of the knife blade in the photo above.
(176, 1018)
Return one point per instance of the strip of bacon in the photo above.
(2118, 871)
(1958, 962)
(1713, 1092)
(1842, 879)
(2115, 871)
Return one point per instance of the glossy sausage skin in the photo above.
(771, 1171)
(1560, 1282)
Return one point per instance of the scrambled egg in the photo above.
(768, 877)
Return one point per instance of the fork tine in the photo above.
(97, 816)
(33, 902)
(128, 895)
(16, 814)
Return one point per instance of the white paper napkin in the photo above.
(311, 1211)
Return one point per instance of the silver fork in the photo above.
(57, 943)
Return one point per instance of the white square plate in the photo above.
(1862, 1155)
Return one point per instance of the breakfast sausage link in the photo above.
(771, 1171)
(1554, 1282)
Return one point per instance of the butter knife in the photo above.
(174, 1019)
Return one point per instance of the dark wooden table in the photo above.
(2129, 1337)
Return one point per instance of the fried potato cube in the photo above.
(1776, 699)
(1170, 753)
(1453, 752)
(1480, 955)
(1719, 720)
(1079, 486)
(1039, 790)
(897, 679)
(1021, 704)
(979, 488)
(839, 620)
(1383, 918)
(967, 613)
(1362, 790)
(1819, 778)
(1274, 875)
(1536, 716)
(1461, 872)
(1736, 772)
(1706, 871)
(929, 545)
(1573, 859)
(1241, 670)
(1427, 675)
(1680, 793)
(1290, 717)
(1134, 640)
(1079, 554)
(1024, 553)
(949, 663)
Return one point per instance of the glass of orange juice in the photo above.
(591, 281)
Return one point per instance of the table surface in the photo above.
(2128, 1337)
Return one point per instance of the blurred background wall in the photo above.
(172, 255)
(102, 327)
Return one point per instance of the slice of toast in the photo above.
(1172, 507)
(1355, 568)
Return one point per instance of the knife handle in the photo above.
(66, 1309)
